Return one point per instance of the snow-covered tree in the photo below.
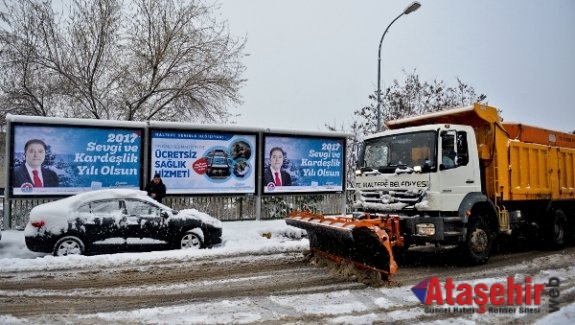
(410, 97)
(415, 97)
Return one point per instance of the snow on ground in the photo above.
(400, 304)
(238, 237)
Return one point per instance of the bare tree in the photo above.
(353, 145)
(26, 88)
(112, 59)
(415, 97)
(410, 98)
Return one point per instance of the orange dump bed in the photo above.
(540, 164)
(533, 134)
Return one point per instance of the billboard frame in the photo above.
(214, 130)
(52, 122)
(302, 137)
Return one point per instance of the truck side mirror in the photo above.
(426, 168)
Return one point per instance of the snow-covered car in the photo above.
(79, 223)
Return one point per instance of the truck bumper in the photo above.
(419, 229)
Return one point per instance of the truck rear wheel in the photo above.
(478, 242)
(556, 232)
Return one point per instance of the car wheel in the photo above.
(191, 240)
(69, 245)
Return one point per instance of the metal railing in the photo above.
(225, 208)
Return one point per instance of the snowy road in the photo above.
(165, 283)
(274, 283)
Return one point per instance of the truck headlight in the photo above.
(425, 229)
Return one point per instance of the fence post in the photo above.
(258, 207)
(5, 220)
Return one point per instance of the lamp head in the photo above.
(412, 7)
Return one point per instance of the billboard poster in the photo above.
(303, 164)
(204, 162)
(62, 160)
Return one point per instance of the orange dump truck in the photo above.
(457, 176)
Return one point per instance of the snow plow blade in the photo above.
(365, 242)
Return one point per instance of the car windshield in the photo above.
(388, 153)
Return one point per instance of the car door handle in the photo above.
(469, 181)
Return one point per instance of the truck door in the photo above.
(456, 174)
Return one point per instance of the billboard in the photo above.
(61, 160)
(303, 164)
(201, 162)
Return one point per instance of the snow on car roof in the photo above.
(74, 201)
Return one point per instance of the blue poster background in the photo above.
(84, 158)
(314, 164)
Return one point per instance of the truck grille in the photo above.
(406, 196)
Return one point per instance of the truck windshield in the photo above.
(400, 151)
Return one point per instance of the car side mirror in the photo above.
(164, 214)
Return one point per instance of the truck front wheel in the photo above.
(478, 242)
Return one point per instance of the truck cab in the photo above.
(425, 174)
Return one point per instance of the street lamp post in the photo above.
(411, 8)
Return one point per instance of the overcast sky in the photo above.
(313, 62)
